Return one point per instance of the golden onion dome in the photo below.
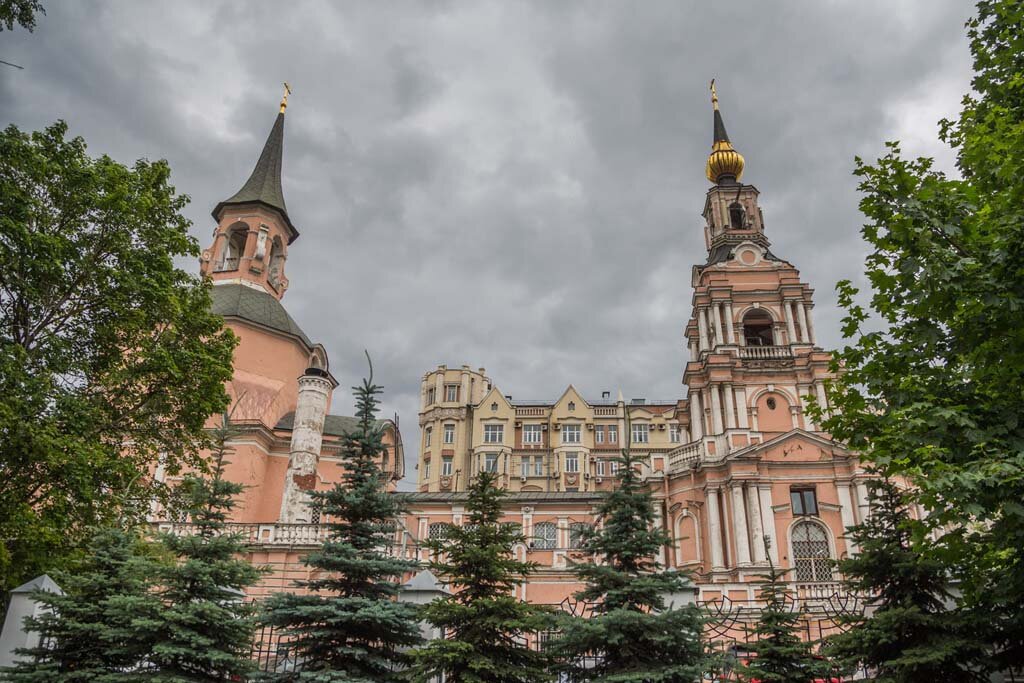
(724, 162)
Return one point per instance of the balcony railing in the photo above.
(764, 352)
(683, 457)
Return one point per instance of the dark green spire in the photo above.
(264, 185)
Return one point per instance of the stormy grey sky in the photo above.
(510, 185)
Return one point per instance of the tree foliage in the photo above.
(21, 12)
(935, 394)
(912, 631)
(109, 355)
(632, 633)
(87, 634)
(349, 626)
(780, 654)
(485, 624)
(203, 629)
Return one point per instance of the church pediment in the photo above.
(793, 447)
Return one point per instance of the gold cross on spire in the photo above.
(284, 98)
(714, 95)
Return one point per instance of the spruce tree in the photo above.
(484, 623)
(911, 632)
(86, 633)
(780, 655)
(348, 625)
(632, 635)
(203, 630)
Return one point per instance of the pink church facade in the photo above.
(735, 460)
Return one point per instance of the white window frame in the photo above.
(638, 430)
(674, 433)
(538, 466)
(598, 433)
(524, 466)
(451, 393)
(489, 459)
(449, 433)
(549, 539)
(532, 434)
(600, 468)
(426, 470)
(572, 457)
(430, 396)
(494, 433)
(573, 429)
(446, 466)
(428, 436)
(613, 433)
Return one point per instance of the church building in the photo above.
(734, 460)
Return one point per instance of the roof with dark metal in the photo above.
(335, 425)
(256, 306)
(515, 497)
(264, 185)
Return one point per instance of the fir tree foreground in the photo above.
(87, 634)
(913, 632)
(349, 627)
(203, 630)
(632, 636)
(485, 625)
(780, 654)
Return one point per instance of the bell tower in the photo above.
(753, 354)
(250, 242)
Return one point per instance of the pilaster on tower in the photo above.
(250, 242)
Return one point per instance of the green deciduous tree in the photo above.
(485, 625)
(88, 635)
(912, 631)
(935, 394)
(632, 633)
(349, 627)
(204, 629)
(780, 654)
(21, 12)
(109, 356)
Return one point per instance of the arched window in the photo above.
(577, 534)
(757, 328)
(234, 247)
(276, 270)
(544, 535)
(736, 216)
(812, 561)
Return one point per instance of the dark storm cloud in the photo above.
(514, 185)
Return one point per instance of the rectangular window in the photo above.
(570, 433)
(491, 462)
(426, 471)
(538, 466)
(641, 433)
(600, 468)
(598, 433)
(531, 434)
(615, 467)
(451, 393)
(449, 433)
(428, 435)
(430, 397)
(572, 463)
(494, 433)
(446, 466)
(673, 433)
(804, 501)
(613, 433)
(524, 467)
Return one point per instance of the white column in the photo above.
(801, 315)
(846, 514)
(790, 328)
(768, 521)
(696, 416)
(702, 328)
(741, 407)
(808, 422)
(716, 409)
(307, 439)
(715, 530)
(739, 525)
(716, 312)
(730, 326)
(863, 506)
(730, 411)
(819, 388)
(754, 518)
(810, 324)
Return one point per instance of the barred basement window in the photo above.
(545, 535)
(811, 558)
